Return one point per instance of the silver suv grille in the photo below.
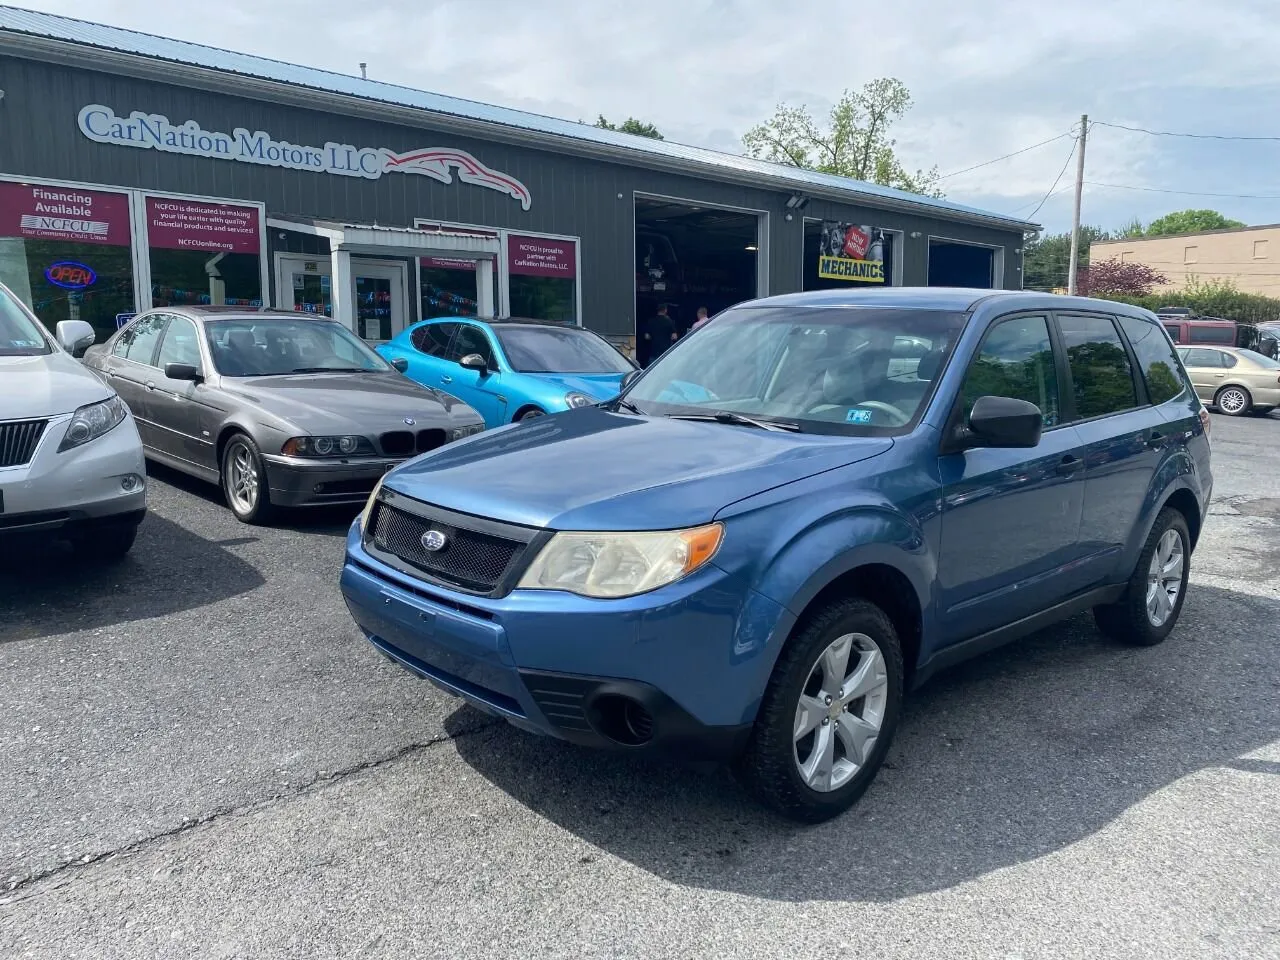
(18, 439)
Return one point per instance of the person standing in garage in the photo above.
(701, 319)
(659, 334)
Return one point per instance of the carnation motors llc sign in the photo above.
(151, 131)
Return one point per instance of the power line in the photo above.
(1015, 153)
(1185, 193)
(1191, 136)
(1056, 180)
(1055, 193)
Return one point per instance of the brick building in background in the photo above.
(1249, 257)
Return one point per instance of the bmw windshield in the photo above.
(826, 370)
(20, 334)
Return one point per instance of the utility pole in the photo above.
(364, 72)
(1075, 215)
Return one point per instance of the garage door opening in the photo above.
(688, 257)
(954, 264)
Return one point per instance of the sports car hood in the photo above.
(355, 403)
(602, 386)
(594, 470)
(32, 388)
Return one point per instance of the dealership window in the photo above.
(542, 278)
(448, 287)
(65, 252)
(203, 252)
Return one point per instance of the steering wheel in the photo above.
(888, 409)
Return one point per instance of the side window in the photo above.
(1175, 331)
(471, 339)
(1227, 360)
(1201, 358)
(1100, 372)
(1214, 334)
(142, 346)
(1015, 360)
(433, 338)
(180, 344)
(1155, 357)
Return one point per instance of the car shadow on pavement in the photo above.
(1000, 761)
(46, 590)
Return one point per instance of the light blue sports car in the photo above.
(510, 369)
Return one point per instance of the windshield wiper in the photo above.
(724, 416)
(621, 404)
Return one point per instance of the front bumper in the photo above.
(679, 671)
(300, 482)
(103, 481)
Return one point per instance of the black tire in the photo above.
(1236, 409)
(105, 544)
(531, 414)
(1127, 620)
(768, 767)
(256, 509)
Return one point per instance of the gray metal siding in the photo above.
(571, 196)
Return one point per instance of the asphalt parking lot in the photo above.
(202, 758)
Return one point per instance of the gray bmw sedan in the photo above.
(281, 409)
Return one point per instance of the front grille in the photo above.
(18, 440)
(404, 443)
(470, 558)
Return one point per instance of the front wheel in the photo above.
(244, 480)
(1233, 401)
(531, 414)
(1152, 602)
(828, 715)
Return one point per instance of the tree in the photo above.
(1046, 259)
(1189, 221)
(631, 125)
(855, 142)
(1124, 277)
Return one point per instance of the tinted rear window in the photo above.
(1224, 334)
(1156, 357)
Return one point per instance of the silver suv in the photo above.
(71, 463)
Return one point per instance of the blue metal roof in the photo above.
(20, 21)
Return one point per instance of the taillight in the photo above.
(1204, 420)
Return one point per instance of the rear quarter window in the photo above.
(1156, 357)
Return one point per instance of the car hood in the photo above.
(45, 386)
(601, 386)
(590, 469)
(337, 403)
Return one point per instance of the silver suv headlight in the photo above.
(611, 565)
(92, 421)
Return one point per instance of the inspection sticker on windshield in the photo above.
(858, 416)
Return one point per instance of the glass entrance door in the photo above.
(304, 285)
(378, 295)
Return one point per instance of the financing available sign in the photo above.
(852, 252)
(151, 131)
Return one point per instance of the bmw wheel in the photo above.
(1234, 401)
(829, 713)
(244, 480)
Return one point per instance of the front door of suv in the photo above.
(1122, 436)
(1010, 517)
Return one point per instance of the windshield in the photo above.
(251, 347)
(1260, 360)
(20, 334)
(558, 350)
(831, 370)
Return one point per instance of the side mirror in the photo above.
(75, 336)
(473, 361)
(400, 363)
(629, 379)
(1005, 422)
(182, 371)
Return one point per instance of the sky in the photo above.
(988, 77)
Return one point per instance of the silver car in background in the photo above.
(280, 409)
(71, 464)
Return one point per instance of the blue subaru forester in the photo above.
(804, 509)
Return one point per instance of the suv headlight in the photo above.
(92, 421)
(574, 399)
(614, 565)
(368, 504)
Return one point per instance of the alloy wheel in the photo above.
(1165, 577)
(840, 713)
(1232, 400)
(242, 481)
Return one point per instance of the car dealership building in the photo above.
(139, 171)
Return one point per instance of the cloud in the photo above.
(988, 76)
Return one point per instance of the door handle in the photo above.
(1156, 439)
(1069, 465)
(446, 379)
(151, 385)
(1220, 376)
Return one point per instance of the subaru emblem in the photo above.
(410, 421)
(433, 541)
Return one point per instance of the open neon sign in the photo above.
(70, 275)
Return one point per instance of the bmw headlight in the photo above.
(328, 447)
(574, 399)
(92, 421)
(471, 429)
(614, 565)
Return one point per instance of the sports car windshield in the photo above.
(559, 350)
(839, 369)
(20, 336)
(251, 347)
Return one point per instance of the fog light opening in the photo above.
(130, 482)
(622, 720)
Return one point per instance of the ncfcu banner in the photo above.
(852, 252)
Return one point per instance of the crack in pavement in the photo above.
(16, 888)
